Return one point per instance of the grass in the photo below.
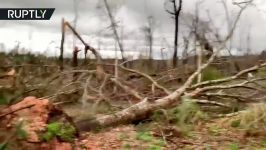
(123, 136)
(3, 100)
(211, 73)
(154, 143)
(233, 146)
(3, 146)
(214, 130)
(252, 118)
(65, 132)
(144, 136)
(186, 114)
(20, 132)
(261, 72)
(126, 146)
(235, 123)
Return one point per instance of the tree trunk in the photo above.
(136, 112)
(61, 57)
(142, 109)
(177, 13)
(199, 62)
(114, 29)
(176, 37)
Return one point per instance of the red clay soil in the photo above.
(32, 111)
(35, 113)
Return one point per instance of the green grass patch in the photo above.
(235, 123)
(233, 146)
(123, 136)
(3, 146)
(3, 100)
(186, 114)
(65, 132)
(261, 72)
(154, 143)
(126, 146)
(144, 136)
(211, 73)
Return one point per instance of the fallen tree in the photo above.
(147, 106)
(142, 109)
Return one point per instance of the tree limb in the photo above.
(254, 68)
(148, 77)
(142, 109)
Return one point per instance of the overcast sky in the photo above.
(93, 24)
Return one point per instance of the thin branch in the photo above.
(127, 88)
(219, 87)
(87, 46)
(13, 111)
(148, 77)
(208, 102)
(237, 97)
(113, 24)
(254, 68)
(236, 21)
(85, 95)
(102, 87)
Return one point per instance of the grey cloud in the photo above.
(132, 14)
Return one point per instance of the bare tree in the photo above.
(61, 57)
(144, 108)
(114, 27)
(75, 20)
(148, 32)
(248, 49)
(198, 29)
(185, 54)
(229, 24)
(175, 12)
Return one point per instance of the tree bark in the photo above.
(114, 29)
(142, 109)
(177, 13)
(61, 57)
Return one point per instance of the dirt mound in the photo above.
(32, 111)
(34, 114)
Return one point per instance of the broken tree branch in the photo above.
(155, 83)
(239, 74)
(237, 97)
(87, 46)
(127, 88)
(230, 86)
(113, 24)
(142, 109)
(13, 111)
(200, 101)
